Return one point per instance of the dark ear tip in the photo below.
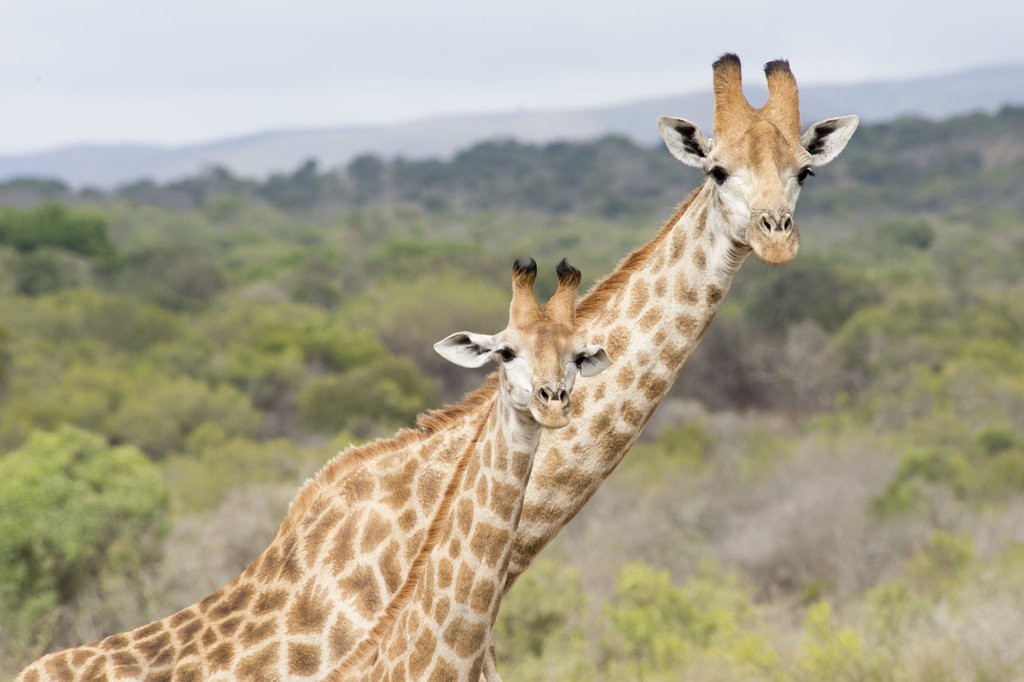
(727, 59)
(776, 65)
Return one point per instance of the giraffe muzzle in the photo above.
(780, 224)
(773, 236)
(550, 405)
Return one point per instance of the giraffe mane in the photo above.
(432, 421)
(597, 296)
(428, 423)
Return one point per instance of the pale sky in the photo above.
(176, 71)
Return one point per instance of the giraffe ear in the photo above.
(466, 349)
(592, 360)
(825, 139)
(684, 140)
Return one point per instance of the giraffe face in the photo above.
(539, 353)
(758, 160)
(538, 366)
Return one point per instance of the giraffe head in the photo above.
(758, 160)
(539, 353)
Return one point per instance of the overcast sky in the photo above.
(173, 71)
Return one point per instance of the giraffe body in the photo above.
(380, 528)
(652, 311)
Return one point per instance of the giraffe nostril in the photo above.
(766, 223)
(544, 395)
(787, 223)
(563, 396)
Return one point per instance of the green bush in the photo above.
(119, 321)
(541, 611)
(46, 270)
(830, 652)
(159, 414)
(915, 234)
(213, 464)
(542, 626)
(56, 226)
(71, 507)
(940, 565)
(997, 440)
(177, 277)
(917, 472)
(662, 627)
(809, 288)
(386, 392)
(324, 340)
(5, 358)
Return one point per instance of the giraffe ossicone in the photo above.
(391, 560)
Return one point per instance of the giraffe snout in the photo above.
(780, 223)
(550, 404)
(773, 235)
(552, 392)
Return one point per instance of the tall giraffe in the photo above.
(418, 527)
(652, 311)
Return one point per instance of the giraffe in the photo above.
(382, 527)
(653, 309)
(441, 629)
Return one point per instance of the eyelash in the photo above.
(804, 174)
(507, 354)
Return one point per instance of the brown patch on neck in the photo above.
(594, 301)
(365, 648)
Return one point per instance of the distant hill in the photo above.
(982, 89)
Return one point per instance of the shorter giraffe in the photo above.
(377, 528)
(439, 626)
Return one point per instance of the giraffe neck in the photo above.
(441, 625)
(650, 314)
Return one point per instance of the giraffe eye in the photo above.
(803, 175)
(719, 174)
(507, 354)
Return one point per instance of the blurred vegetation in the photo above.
(845, 502)
(71, 508)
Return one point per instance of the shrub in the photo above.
(388, 391)
(71, 507)
(56, 226)
(662, 627)
(830, 652)
(808, 289)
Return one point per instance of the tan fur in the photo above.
(595, 300)
(434, 535)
